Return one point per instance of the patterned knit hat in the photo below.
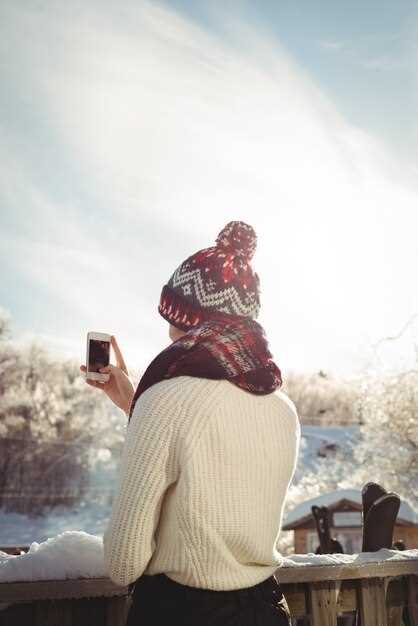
(214, 283)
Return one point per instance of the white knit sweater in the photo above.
(203, 480)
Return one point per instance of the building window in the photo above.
(312, 541)
(347, 518)
(350, 539)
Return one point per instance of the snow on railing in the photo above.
(377, 585)
(63, 580)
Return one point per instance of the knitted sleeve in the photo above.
(149, 465)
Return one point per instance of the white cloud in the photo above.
(143, 135)
(386, 63)
(327, 44)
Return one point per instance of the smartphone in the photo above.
(98, 355)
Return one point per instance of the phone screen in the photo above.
(98, 354)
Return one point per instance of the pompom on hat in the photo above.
(215, 283)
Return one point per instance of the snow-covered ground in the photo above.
(21, 530)
(90, 515)
(320, 441)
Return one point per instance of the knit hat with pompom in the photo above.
(215, 283)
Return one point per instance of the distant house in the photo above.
(345, 508)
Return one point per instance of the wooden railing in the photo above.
(379, 591)
(318, 593)
(81, 602)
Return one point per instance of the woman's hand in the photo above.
(119, 387)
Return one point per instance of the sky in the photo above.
(131, 133)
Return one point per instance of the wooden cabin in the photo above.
(345, 508)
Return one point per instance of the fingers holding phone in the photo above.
(120, 361)
(119, 387)
(92, 383)
(112, 379)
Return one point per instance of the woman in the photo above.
(210, 450)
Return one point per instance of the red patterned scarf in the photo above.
(218, 349)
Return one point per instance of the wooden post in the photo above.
(373, 602)
(323, 603)
(88, 611)
(117, 610)
(395, 615)
(413, 600)
(53, 612)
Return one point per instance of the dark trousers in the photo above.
(160, 601)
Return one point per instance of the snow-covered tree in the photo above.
(388, 453)
(327, 398)
(385, 404)
(52, 427)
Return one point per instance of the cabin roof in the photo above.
(302, 512)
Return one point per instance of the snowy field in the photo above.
(21, 530)
(320, 441)
(92, 514)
